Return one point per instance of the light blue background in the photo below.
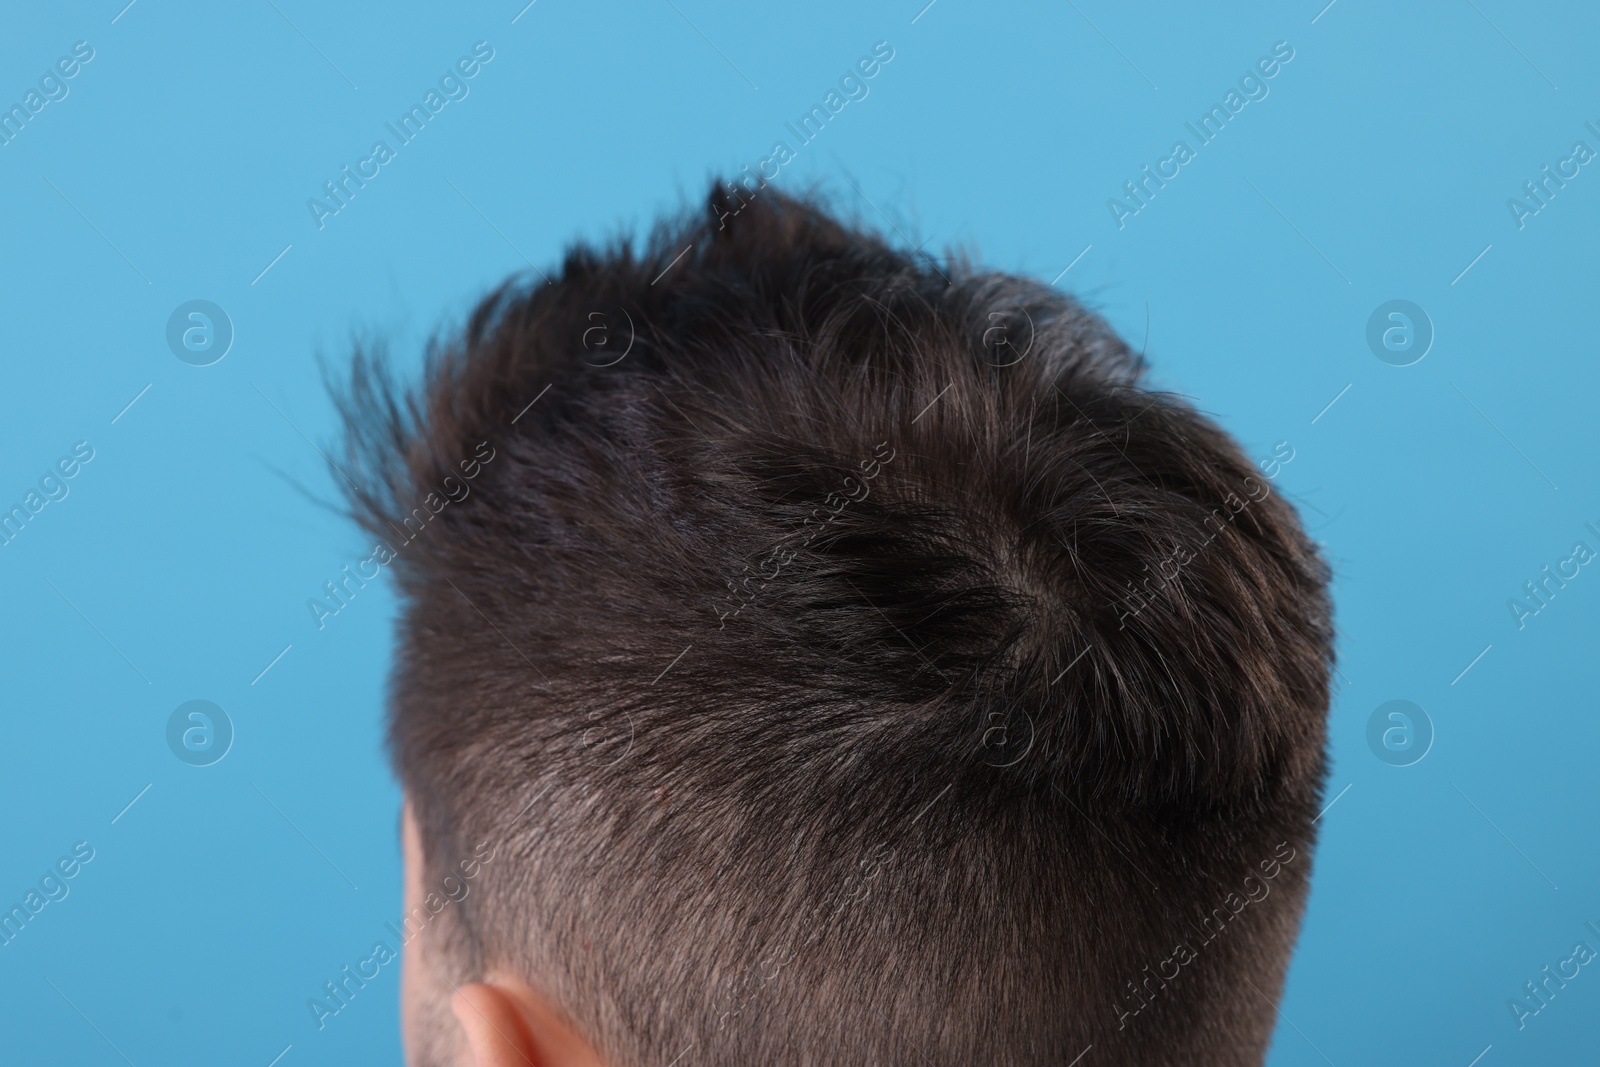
(1387, 148)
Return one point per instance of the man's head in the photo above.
(842, 659)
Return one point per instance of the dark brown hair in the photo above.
(849, 659)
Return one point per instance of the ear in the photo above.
(508, 1024)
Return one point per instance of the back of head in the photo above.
(849, 659)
